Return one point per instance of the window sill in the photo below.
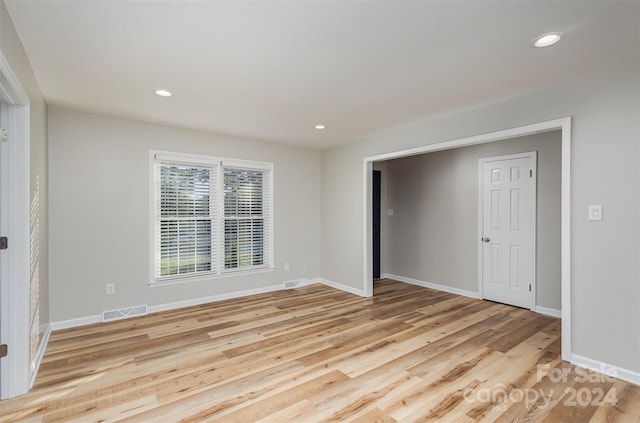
(180, 280)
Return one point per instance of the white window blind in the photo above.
(211, 216)
(246, 220)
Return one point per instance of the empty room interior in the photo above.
(311, 211)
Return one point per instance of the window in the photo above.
(211, 216)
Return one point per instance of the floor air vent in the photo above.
(124, 313)
(293, 284)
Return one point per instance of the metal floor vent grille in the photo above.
(294, 284)
(124, 313)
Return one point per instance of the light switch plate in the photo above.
(595, 212)
(389, 212)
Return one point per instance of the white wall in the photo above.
(605, 284)
(433, 234)
(99, 211)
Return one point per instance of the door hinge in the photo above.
(4, 135)
(4, 242)
(529, 287)
(3, 350)
(530, 173)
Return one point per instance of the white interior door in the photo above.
(508, 219)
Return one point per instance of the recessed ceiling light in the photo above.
(320, 127)
(547, 40)
(163, 93)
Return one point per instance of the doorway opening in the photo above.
(377, 182)
(564, 126)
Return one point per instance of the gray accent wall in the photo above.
(605, 159)
(433, 233)
(100, 230)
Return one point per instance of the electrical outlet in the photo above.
(287, 266)
(595, 212)
(111, 288)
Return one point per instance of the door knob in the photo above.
(485, 240)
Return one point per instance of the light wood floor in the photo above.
(315, 354)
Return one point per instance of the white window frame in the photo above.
(218, 242)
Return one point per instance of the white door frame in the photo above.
(533, 156)
(563, 124)
(15, 369)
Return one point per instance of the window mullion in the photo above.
(220, 218)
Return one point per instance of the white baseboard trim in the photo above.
(548, 311)
(39, 354)
(432, 285)
(339, 286)
(74, 323)
(607, 369)
(88, 320)
(213, 298)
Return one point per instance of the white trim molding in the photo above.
(606, 369)
(548, 311)
(44, 341)
(340, 286)
(565, 241)
(11, 90)
(89, 320)
(471, 294)
(432, 285)
(367, 229)
(77, 322)
(213, 298)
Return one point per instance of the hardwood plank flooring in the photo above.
(316, 354)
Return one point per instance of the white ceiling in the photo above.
(271, 70)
